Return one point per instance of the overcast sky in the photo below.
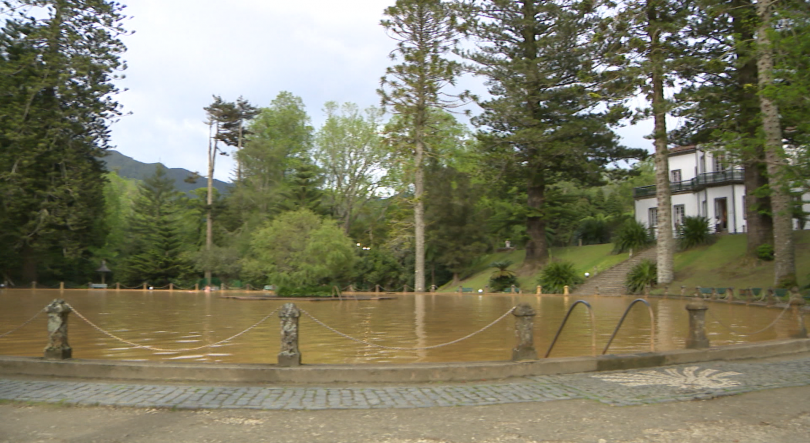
(183, 51)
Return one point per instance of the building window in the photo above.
(678, 213)
(676, 176)
(719, 163)
(653, 217)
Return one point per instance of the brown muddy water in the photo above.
(180, 319)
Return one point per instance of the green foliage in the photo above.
(765, 252)
(694, 231)
(157, 248)
(379, 266)
(58, 60)
(304, 291)
(632, 235)
(594, 230)
(502, 278)
(558, 274)
(643, 274)
(298, 249)
(349, 148)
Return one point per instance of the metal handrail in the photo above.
(593, 327)
(626, 311)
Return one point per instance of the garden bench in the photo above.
(705, 292)
(780, 293)
(466, 289)
(756, 293)
(725, 293)
(98, 286)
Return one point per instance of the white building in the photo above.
(702, 184)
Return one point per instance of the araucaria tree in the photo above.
(644, 42)
(57, 62)
(543, 122)
(425, 33)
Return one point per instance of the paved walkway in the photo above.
(620, 388)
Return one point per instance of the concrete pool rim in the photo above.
(382, 373)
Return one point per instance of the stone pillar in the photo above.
(58, 347)
(539, 290)
(289, 355)
(196, 286)
(118, 286)
(33, 285)
(730, 294)
(697, 326)
(144, 286)
(798, 329)
(683, 290)
(565, 290)
(61, 286)
(524, 331)
(771, 298)
(171, 286)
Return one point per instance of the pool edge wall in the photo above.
(100, 370)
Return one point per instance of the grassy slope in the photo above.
(724, 264)
(721, 264)
(585, 258)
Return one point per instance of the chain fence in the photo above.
(153, 348)
(399, 348)
(22, 325)
(730, 330)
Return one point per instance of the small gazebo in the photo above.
(103, 270)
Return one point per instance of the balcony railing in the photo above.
(727, 177)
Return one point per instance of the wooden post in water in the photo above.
(524, 331)
(289, 355)
(58, 347)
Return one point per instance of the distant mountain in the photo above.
(130, 168)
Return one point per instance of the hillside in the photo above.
(130, 168)
(721, 264)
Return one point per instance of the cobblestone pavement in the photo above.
(620, 388)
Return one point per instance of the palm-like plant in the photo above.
(558, 274)
(632, 235)
(642, 274)
(502, 278)
(693, 232)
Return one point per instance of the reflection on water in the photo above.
(180, 319)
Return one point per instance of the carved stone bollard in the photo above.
(771, 298)
(798, 330)
(697, 326)
(524, 331)
(289, 355)
(565, 290)
(683, 290)
(58, 347)
(539, 290)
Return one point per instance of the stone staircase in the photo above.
(611, 281)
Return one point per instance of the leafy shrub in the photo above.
(558, 274)
(765, 252)
(593, 230)
(632, 235)
(502, 278)
(643, 274)
(304, 291)
(693, 232)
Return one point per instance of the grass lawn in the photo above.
(724, 264)
(721, 264)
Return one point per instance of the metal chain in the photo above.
(152, 348)
(22, 325)
(752, 333)
(397, 348)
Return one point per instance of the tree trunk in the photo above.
(29, 264)
(757, 208)
(537, 247)
(419, 217)
(209, 222)
(781, 204)
(665, 241)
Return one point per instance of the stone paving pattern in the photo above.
(620, 388)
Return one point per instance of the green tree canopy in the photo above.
(300, 248)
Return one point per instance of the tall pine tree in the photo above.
(57, 62)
